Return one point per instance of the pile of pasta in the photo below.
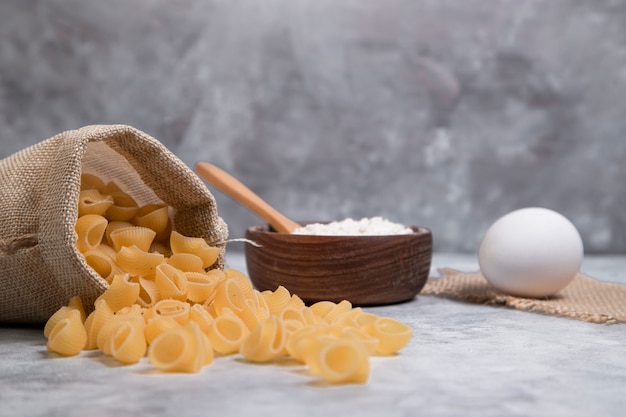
(165, 302)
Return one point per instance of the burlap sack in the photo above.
(40, 267)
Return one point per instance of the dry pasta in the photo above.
(100, 261)
(277, 300)
(127, 341)
(342, 360)
(91, 182)
(98, 318)
(155, 217)
(157, 325)
(124, 207)
(113, 226)
(141, 237)
(165, 303)
(200, 286)
(196, 246)
(183, 349)
(266, 342)
(93, 202)
(228, 295)
(186, 262)
(68, 336)
(62, 313)
(138, 262)
(227, 333)
(174, 309)
(90, 231)
(171, 282)
(391, 334)
(121, 293)
(201, 316)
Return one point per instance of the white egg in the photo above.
(531, 252)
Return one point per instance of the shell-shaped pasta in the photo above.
(90, 231)
(157, 325)
(242, 280)
(266, 342)
(155, 217)
(364, 318)
(196, 246)
(295, 302)
(339, 309)
(201, 316)
(227, 333)
(186, 262)
(322, 308)
(200, 286)
(171, 282)
(348, 318)
(127, 340)
(137, 262)
(342, 361)
(105, 340)
(391, 334)
(91, 182)
(68, 336)
(148, 293)
(160, 247)
(110, 187)
(248, 314)
(180, 350)
(174, 309)
(291, 326)
(77, 303)
(101, 261)
(96, 321)
(93, 202)
(173, 351)
(121, 292)
(113, 226)
(124, 207)
(132, 310)
(277, 300)
(228, 294)
(205, 350)
(303, 315)
(141, 237)
(259, 305)
(61, 314)
(217, 274)
(304, 340)
(369, 342)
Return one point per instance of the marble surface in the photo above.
(440, 113)
(464, 359)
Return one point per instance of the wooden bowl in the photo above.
(365, 270)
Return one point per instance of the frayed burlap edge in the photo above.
(584, 298)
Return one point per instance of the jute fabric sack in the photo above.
(584, 298)
(40, 267)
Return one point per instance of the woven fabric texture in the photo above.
(40, 267)
(584, 298)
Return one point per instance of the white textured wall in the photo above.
(442, 113)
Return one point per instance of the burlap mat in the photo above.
(584, 298)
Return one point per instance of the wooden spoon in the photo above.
(232, 187)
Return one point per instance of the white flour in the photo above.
(349, 227)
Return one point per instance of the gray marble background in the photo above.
(442, 113)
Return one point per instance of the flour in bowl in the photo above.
(375, 226)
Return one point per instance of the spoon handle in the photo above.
(232, 187)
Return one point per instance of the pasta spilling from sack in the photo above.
(165, 303)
